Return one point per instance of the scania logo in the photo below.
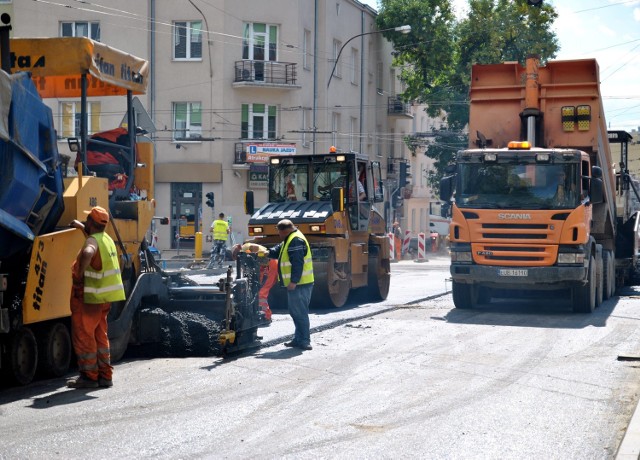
(513, 215)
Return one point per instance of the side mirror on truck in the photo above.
(596, 188)
(337, 199)
(446, 188)
(249, 207)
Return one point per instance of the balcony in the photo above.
(396, 107)
(240, 157)
(266, 74)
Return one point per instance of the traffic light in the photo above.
(405, 174)
(210, 199)
(396, 199)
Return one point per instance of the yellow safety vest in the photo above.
(220, 228)
(102, 286)
(285, 265)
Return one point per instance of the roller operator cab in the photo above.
(331, 198)
(533, 198)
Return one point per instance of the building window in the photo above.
(258, 121)
(337, 44)
(187, 121)
(187, 40)
(354, 66)
(80, 29)
(335, 127)
(259, 42)
(380, 77)
(70, 118)
(306, 49)
(353, 128)
(305, 138)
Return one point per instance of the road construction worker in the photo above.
(96, 283)
(295, 272)
(220, 230)
(268, 276)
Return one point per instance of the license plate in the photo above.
(513, 272)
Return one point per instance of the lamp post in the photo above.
(403, 29)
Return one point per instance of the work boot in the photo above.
(105, 383)
(82, 382)
(292, 344)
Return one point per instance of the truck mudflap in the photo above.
(520, 277)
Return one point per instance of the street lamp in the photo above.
(402, 29)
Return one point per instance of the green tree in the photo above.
(438, 54)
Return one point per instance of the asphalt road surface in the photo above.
(409, 377)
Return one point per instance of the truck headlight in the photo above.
(461, 256)
(571, 258)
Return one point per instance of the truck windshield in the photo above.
(288, 182)
(327, 176)
(518, 186)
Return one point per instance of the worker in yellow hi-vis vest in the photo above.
(220, 230)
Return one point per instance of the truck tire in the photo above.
(54, 350)
(22, 356)
(484, 295)
(599, 276)
(583, 298)
(463, 295)
(608, 280)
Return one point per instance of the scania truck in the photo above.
(538, 201)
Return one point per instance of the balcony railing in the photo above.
(266, 72)
(396, 106)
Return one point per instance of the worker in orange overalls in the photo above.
(268, 277)
(96, 283)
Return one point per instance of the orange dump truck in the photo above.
(538, 201)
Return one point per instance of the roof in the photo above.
(58, 63)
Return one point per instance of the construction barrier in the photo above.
(405, 242)
(392, 247)
(421, 246)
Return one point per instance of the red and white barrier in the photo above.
(421, 246)
(392, 247)
(405, 242)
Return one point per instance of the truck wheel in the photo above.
(583, 298)
(55, 350)
(484, 295)
(379, 278)
(599, 276)
(463, 295)
(608, 280)
(23, 356)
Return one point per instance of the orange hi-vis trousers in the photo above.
(270, 278)
(89, 336)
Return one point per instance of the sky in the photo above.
(609, 31)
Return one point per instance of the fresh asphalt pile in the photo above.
(183, 334)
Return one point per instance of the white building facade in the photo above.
(232, 82)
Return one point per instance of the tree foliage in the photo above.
(436, 57)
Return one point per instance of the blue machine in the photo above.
(31, 186)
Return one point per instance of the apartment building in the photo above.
(234, 81)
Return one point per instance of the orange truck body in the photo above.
(541, 214)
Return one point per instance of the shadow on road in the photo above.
(527, 312)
